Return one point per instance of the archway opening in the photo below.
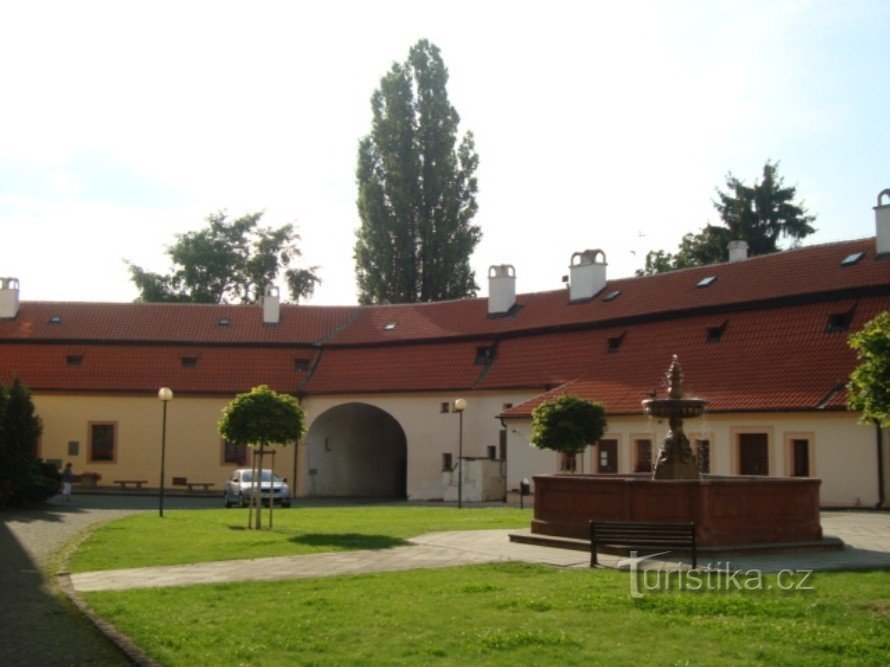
(356, 450)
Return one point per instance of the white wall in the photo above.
(843, 452)
(429, 432)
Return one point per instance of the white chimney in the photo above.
(738, 251)
(882, 223)
(587, 276)
(501, 289)
(9, 298)
(271, 305)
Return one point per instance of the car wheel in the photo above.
(242, 501)
(285, 505)
(226, 500)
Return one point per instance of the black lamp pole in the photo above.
(165, 394)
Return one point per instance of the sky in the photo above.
(598, 125)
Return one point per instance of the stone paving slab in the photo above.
(433, 550)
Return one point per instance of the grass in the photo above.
(185, 536)
(505, 614)
(497, 614)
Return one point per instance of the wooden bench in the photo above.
(124, 483)
(183, 481)
(661, 536)
(204, 485)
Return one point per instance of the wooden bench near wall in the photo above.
(124, 483)
(627, 535)
(183, 481)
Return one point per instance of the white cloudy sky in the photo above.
(598, 124)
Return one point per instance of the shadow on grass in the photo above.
(349, 541)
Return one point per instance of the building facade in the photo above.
(763, 339)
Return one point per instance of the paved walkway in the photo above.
(867, 537)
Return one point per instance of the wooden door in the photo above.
(753, 454)
(607, 456)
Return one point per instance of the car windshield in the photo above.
(266, 475)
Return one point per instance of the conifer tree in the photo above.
(417, 189)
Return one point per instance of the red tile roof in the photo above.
(774, 353)
(145, 368)
(771, 359)
(172, 322)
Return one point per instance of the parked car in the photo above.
(241, 487)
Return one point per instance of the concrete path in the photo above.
(867, 537)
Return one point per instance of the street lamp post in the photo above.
(459, 406)
(166, 395)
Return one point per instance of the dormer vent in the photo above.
(271, 305)
(882, 223)
(9, 298)
(501, 289)
(587, 275)
(738, 251)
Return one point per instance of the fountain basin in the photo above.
(726, 510)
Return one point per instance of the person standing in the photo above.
(67, 481)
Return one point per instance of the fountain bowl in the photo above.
(667, 408)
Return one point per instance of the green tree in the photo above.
(868, 390)
(227, 261)
(567, 424)
(260, 418)
(761, 214)
(22, 477)
(416, 189)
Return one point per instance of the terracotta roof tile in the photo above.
(186, 323)
(771, 359)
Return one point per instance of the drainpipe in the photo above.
(880, 442)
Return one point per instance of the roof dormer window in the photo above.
(389, 326)
(224, 321)
(614, 342)
(74, 360)
(840, 322)
(706, 282)
(484, 355)
(55, 319)
(189, 362)
(612, 295)
(850, 260)
(716, 333)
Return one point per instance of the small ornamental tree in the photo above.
(869, 388)
(261, 418)
(568, 424)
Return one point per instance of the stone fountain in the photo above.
(676, 460)
(731, 513)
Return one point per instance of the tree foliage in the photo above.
(227, 261)
(868, 390)
(22, 477)
(262, 417)
(761, 214)
(568, 424)
(417, 189)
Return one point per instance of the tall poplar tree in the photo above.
(416, 189)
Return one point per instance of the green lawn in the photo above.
(505, 614)
(499, 614)
(184, 536)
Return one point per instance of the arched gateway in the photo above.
(356, 450)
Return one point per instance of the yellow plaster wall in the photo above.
(194, 448)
